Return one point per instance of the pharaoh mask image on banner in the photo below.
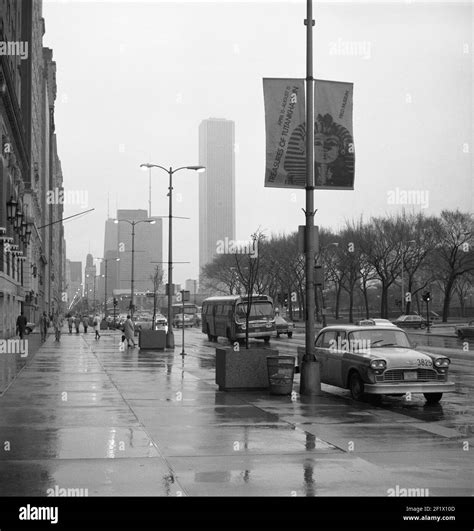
(334, 157)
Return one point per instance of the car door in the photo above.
(324, 343)
(335, 355)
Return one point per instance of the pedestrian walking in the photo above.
(43, 324)
(70, 322)
(77, 322)
(85, 323)
(57, 323)
(129, 331)
(21, 323)
(97, 326)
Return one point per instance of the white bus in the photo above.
(226, 317)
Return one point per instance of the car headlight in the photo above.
(378, 364)
(442, 362)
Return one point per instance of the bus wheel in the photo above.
(267, 339)
(229, 337)
(209, 337)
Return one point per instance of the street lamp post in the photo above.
(170, 171)
(106, 260)
(133, 223)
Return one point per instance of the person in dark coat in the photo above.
(43, 324)
(21, 323)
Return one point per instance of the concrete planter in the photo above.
(245, 369)
(152, 339)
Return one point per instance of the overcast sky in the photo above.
(136, 79)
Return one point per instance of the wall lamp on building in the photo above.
(18, 220)
(11, 209)
(25, 231)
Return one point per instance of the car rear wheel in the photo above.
(422, 326)
(433, 398)
(267, 339)
(356, 386)
(290, 334)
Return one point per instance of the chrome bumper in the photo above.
(408, 387)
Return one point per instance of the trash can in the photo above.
(281, 371)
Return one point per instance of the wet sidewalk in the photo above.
(83, 415)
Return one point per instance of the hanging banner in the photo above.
(284, 112)
(334, 156)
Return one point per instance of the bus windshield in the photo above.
(258, 310)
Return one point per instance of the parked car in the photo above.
(465, 331)
(379, 360)
(284, 326)
(178, 320)
(410, 321)
(161, 323)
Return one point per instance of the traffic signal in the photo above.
(427, 296)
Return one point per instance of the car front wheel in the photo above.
(356, 386)
(290, 334)
(422, 326)
(433, 398)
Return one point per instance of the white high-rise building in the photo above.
(216, 186)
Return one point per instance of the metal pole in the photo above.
(105, 291)
(309, 380)
(182, 323)
(133, 260)
(169, 335)
(402, 304)
(149, 192)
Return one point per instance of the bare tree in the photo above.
(454, 254)
(157, 279)
(248, 270)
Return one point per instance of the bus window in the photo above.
(257, 310)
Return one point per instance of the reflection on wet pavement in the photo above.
(154, 423)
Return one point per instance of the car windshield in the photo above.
(380, 338)
(258, 310)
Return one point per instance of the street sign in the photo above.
(318, 275)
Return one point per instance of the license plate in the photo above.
(412, 375)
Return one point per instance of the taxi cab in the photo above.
(379, 360)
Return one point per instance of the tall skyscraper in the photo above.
(216, 186)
